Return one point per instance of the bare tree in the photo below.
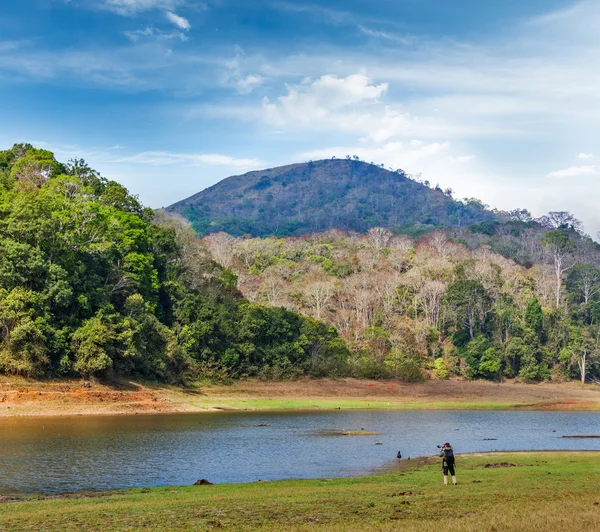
(379, 237)
(544, 283)
(386, 286)
(430, 296)
(272, 287)
(438, 240)
(560, 247)
(587, 280)
(317, 294)
(560, 220)
(221, 247)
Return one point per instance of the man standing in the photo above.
(447, 455)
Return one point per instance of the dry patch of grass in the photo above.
(542, 491)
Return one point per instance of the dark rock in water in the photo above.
(203, 482)
(490, 439)
(264, 425)
(378, 443)
(582, 436)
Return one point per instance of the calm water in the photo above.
(54, 455)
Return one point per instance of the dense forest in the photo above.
(518, 300)
(93, 284)
(311, 197)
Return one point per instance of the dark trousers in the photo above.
(448, 466)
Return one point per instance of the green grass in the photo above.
(357, 404)
(544, 491)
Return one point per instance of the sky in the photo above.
(496, 100)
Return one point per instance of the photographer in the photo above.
(447, 455)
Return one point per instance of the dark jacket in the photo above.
(447, 454)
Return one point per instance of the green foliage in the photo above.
(440, 368)
(530, 368)
(485, 228)
(534, 316)
(558, 240)
(470, 303)
(490, 365)
(90, 286)
(403, 367)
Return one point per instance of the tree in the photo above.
(317, 294)
(560, 247)
(94, 284)
(534, 316)
(578, 351)
(583, 281)
(490, 365)
(561, 220)
(93, 346)
(520, 215)
(23, 346)
(379, 237)
(470, 302)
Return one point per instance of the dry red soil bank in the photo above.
(19, 397)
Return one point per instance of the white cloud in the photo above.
(150, 31)
(585, 156)
(323, 101)
(132, 7)
(575, 171)
(159, 158)
(350, 104)
(249, 83)
(235, 75)
(323, 14)
(180, 22)
(404, 40)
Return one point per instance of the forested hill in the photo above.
(92, 284)
(338, 193)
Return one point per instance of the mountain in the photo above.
(319, 195)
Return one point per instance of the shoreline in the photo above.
(26, 398)
(393, 468)
(560, 489)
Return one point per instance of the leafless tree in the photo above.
(317, 294)
(560, 220)
(221, 248)
(379, 238)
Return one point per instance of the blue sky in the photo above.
(498, 100)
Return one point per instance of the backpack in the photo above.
(448, 455)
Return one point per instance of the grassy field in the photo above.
(536, 491)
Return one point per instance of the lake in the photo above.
(78, 453)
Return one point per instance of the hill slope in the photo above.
(320, 195)
(92, 284)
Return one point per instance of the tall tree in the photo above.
(561, 248)
(470, 302)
